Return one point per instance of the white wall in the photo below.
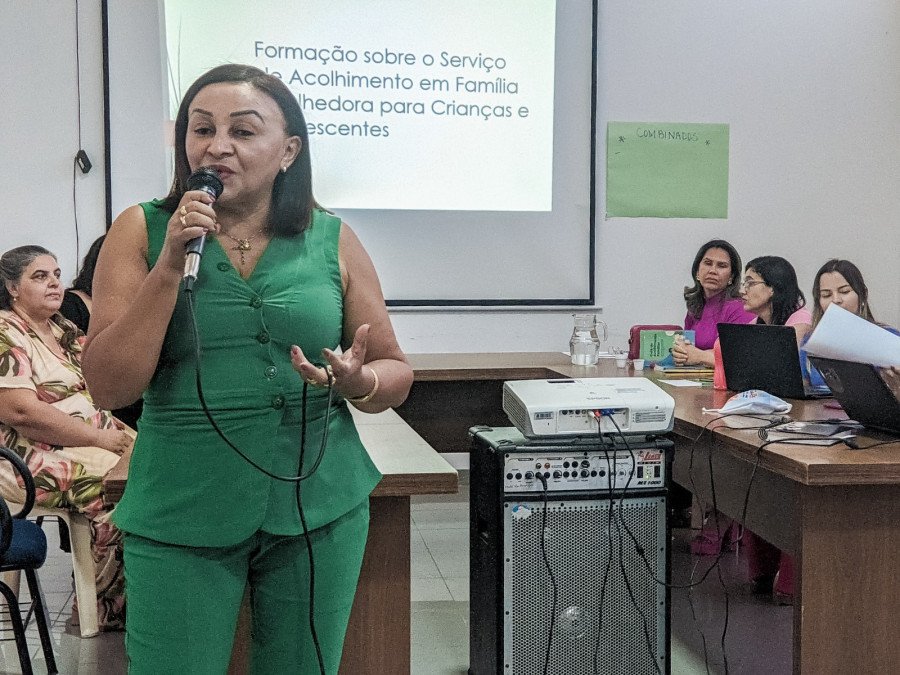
(810, 90)
(40, 139)
(812, 94)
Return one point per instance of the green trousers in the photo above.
(183, 602)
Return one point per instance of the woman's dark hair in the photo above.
(12, 266)
(292, 198)
(694, 296)
(84, 282)
(779, 275)
(854, 277)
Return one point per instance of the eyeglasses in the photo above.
(751, 283)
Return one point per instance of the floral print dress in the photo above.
(65, 477)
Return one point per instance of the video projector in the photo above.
(570, 407)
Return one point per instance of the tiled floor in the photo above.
(101, 655)
(758, 641)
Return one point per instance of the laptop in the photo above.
(867, 394)
(757, 356)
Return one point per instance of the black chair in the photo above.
(23, 547)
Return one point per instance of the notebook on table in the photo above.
(863, 391)
(757, 356)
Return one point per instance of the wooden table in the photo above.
(378, 637)
(837, 510)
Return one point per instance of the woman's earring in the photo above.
(284, 169)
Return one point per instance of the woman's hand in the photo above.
(348, 377)
(117, 441)
(193, 218)
(684, 353)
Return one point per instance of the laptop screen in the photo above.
(758, 356)
(868, 394)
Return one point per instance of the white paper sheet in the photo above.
(844, 336)
(683, 383)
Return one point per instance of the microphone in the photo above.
(208, 180)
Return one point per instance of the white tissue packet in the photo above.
(752, 402)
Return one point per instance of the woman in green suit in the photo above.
(282, 285)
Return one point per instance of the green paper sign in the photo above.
(666, 170)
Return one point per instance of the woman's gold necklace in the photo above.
(241, 245)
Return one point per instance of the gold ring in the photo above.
(183, 210)
(330, 373)
(183, 222)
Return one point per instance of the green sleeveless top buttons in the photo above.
(185, 485)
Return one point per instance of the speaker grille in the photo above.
(578, 548)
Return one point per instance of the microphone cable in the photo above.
(306, 538)
(296, 480)
(286, 479)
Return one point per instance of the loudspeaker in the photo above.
(607, 554)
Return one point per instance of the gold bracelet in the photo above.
(368, 397)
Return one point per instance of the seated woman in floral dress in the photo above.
(48, 417)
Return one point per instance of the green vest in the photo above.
(186, 486)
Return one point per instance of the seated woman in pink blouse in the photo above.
(770, 291)
(713, 299)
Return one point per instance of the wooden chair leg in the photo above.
(40, 616)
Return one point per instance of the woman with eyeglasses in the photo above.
(770, 291)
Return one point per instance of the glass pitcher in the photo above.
(585, 345)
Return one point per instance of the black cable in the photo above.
(609, 547)
(638, 547)
(611, 521)
(78, 72)
(75, 214)
(309, 548)
(78, 127)
(720, 553)
(854, 443)
(221, 434)
(620, 524)
(553, 582)
(716, 563)
(799, 440)
(296, 480)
